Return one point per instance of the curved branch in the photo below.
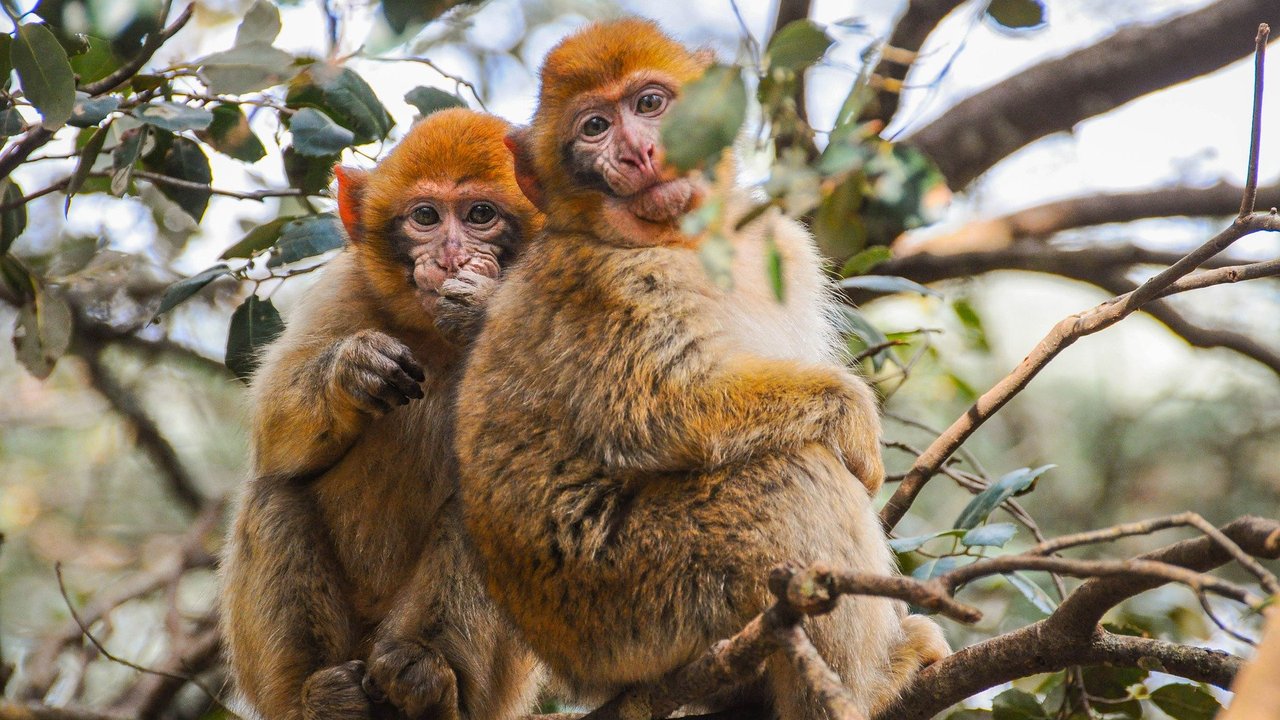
(913, 28)
(1055, 95)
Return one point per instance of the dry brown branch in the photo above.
(1043, 221)
(1059, 338)
(1071, 636)
(920, 19)
(191, 655)
(1055, 95)
(42, 665)
(1255, 136)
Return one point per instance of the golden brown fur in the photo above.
(347, 544)
(643, 445)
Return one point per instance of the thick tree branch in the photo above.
(1043, 221)
(1053, 96)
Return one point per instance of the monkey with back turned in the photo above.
(640, 445)
(347, 542)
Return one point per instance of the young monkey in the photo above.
(347, 543)
(641, 445)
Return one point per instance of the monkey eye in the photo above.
(425, 215)
(594, 126)
(649, 103)
(481, 214)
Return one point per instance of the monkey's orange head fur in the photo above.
(598, 61)
(447, 150)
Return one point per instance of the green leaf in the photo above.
(837, 226)
(185, 160)
(257, 239)
(6, 65)
(1017, 14)
(246, 68)
(990, 535)
(707, 118)
(88, 156)
(400, 14)
(911, 544)
(797, 46)
(1031, 592)
(180, 291)
(936, 567)
(975, 333)
(88, 111)
(45, 73)
(1017, 705)
(123, 158)
(11, 122)
(253, 326)
(43, 332)
(307, 237)
(316, 135)
(1113, 683)
(342, 95)
(862, 262)
(174, 117)
(309, 174)
(95, 63)
(429, 100)
(230, 134)
(14, 220)
(985, 502)
(852, 321)
(773, 262)
(886, 284)
(1186, 702)
(261, 24)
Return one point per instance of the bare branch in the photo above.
(1059, 338)
(1057, 94)
(1255, 133)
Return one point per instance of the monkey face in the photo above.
(615, 147)
(443, 228)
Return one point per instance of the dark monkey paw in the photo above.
(413, 677)
(334, 693)
(377, 371)
(460, 309)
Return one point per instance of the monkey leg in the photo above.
(288, 626)
(642, 575)
(444, 651)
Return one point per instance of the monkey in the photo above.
(347, 581)
(642, 444)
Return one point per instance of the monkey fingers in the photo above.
(460, 309)
(378, 372)
(334, 693)
(413, 677)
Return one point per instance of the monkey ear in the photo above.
(520, 142)
(351, 182)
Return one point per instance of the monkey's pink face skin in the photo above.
(444, 230)
(616, 148)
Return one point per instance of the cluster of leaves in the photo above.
(159, 128)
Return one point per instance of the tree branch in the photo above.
(921, 18)
(1055, 95)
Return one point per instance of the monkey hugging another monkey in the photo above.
(347, 545)
(636, 446)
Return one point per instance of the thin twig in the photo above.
(62, 588)
(1255, 131)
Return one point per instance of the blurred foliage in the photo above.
(160, 150)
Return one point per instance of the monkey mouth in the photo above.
(662, 201)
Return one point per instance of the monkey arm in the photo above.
(737, 410)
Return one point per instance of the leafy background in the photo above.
(189, 207)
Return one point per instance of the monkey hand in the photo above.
(856, 432)
(335, 692)
(413, 677)
(375, 372)
(460, 309)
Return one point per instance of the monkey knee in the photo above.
(335, 693)
(415, 678)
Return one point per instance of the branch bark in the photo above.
(1055, 95)
(913, 28)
